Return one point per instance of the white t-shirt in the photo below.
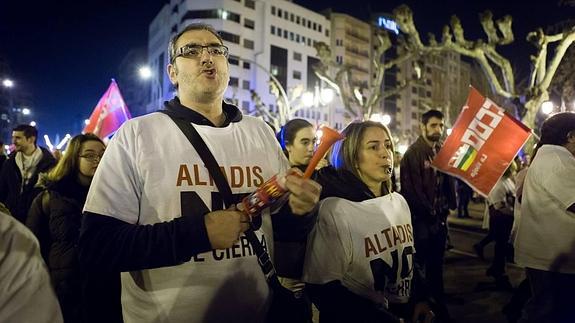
(503, 192)
(546, 230)
(353, 242)
(147, 172)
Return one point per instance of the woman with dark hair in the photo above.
(55, 218)
(297, 139)
(360, 253)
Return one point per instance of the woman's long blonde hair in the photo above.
(68, 164)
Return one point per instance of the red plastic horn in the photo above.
(328, 138)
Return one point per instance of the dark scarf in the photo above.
(231, 113)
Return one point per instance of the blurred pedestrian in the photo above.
(26, 294)
(545, 241)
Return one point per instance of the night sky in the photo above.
(64, 53)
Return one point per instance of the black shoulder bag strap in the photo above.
(224, 188)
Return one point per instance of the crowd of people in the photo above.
(137, 230)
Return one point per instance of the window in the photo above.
(309, 42)
(291, 17)
(428, 82)
(413, 90)
(234, 81)
(339, 60)
(273, 30)
(233, 38)
(297, 38)
(246, 65)
(245, 85)
(414, 115)
(338, 42)
(234, 60)
(248, 23)
(303, 21)
(413, 103)
(279, 12)
(314, 26)
(250, 4)
(211, 14)
(309, 24)
(297, 75)
(279, 32)
(249, 44)
(297, 56)
(274, 10)
(319, 28)
(326, 32)
(286, 15)
(428, 94)
(291, 36)
(285, 34)
(303, 39)
(297, 21)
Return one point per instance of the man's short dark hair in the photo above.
(28, 131)
(556, 128)
(431, 114)
(195, 26)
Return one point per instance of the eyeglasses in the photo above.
(194, 51)
(92, 157)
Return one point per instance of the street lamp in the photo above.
(26, 111)
(147, 74)
(384, 119)
(547, 107)
(8, 83)
(318, 98)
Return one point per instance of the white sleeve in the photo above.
(560, 183)
(26, 293)
(498, 193)
(328, 248)
(116, 187)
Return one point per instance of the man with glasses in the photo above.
(20, 171)
(154, 212)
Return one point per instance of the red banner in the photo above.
(482, 144)
(109, 114)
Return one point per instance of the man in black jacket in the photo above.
(430, 194)
(20, 172)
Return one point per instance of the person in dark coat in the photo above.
(430, 195)
(20, 172)
(55, 219)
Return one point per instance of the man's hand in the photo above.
(422, 309)
(304, 192)
(225, 227)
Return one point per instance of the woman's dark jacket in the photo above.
(55, 218)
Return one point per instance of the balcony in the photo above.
(355, 35)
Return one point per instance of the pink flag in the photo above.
(109, 114)
(482, 144)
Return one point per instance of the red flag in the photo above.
(482, 144)
(109, 114)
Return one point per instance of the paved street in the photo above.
(465, 273)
